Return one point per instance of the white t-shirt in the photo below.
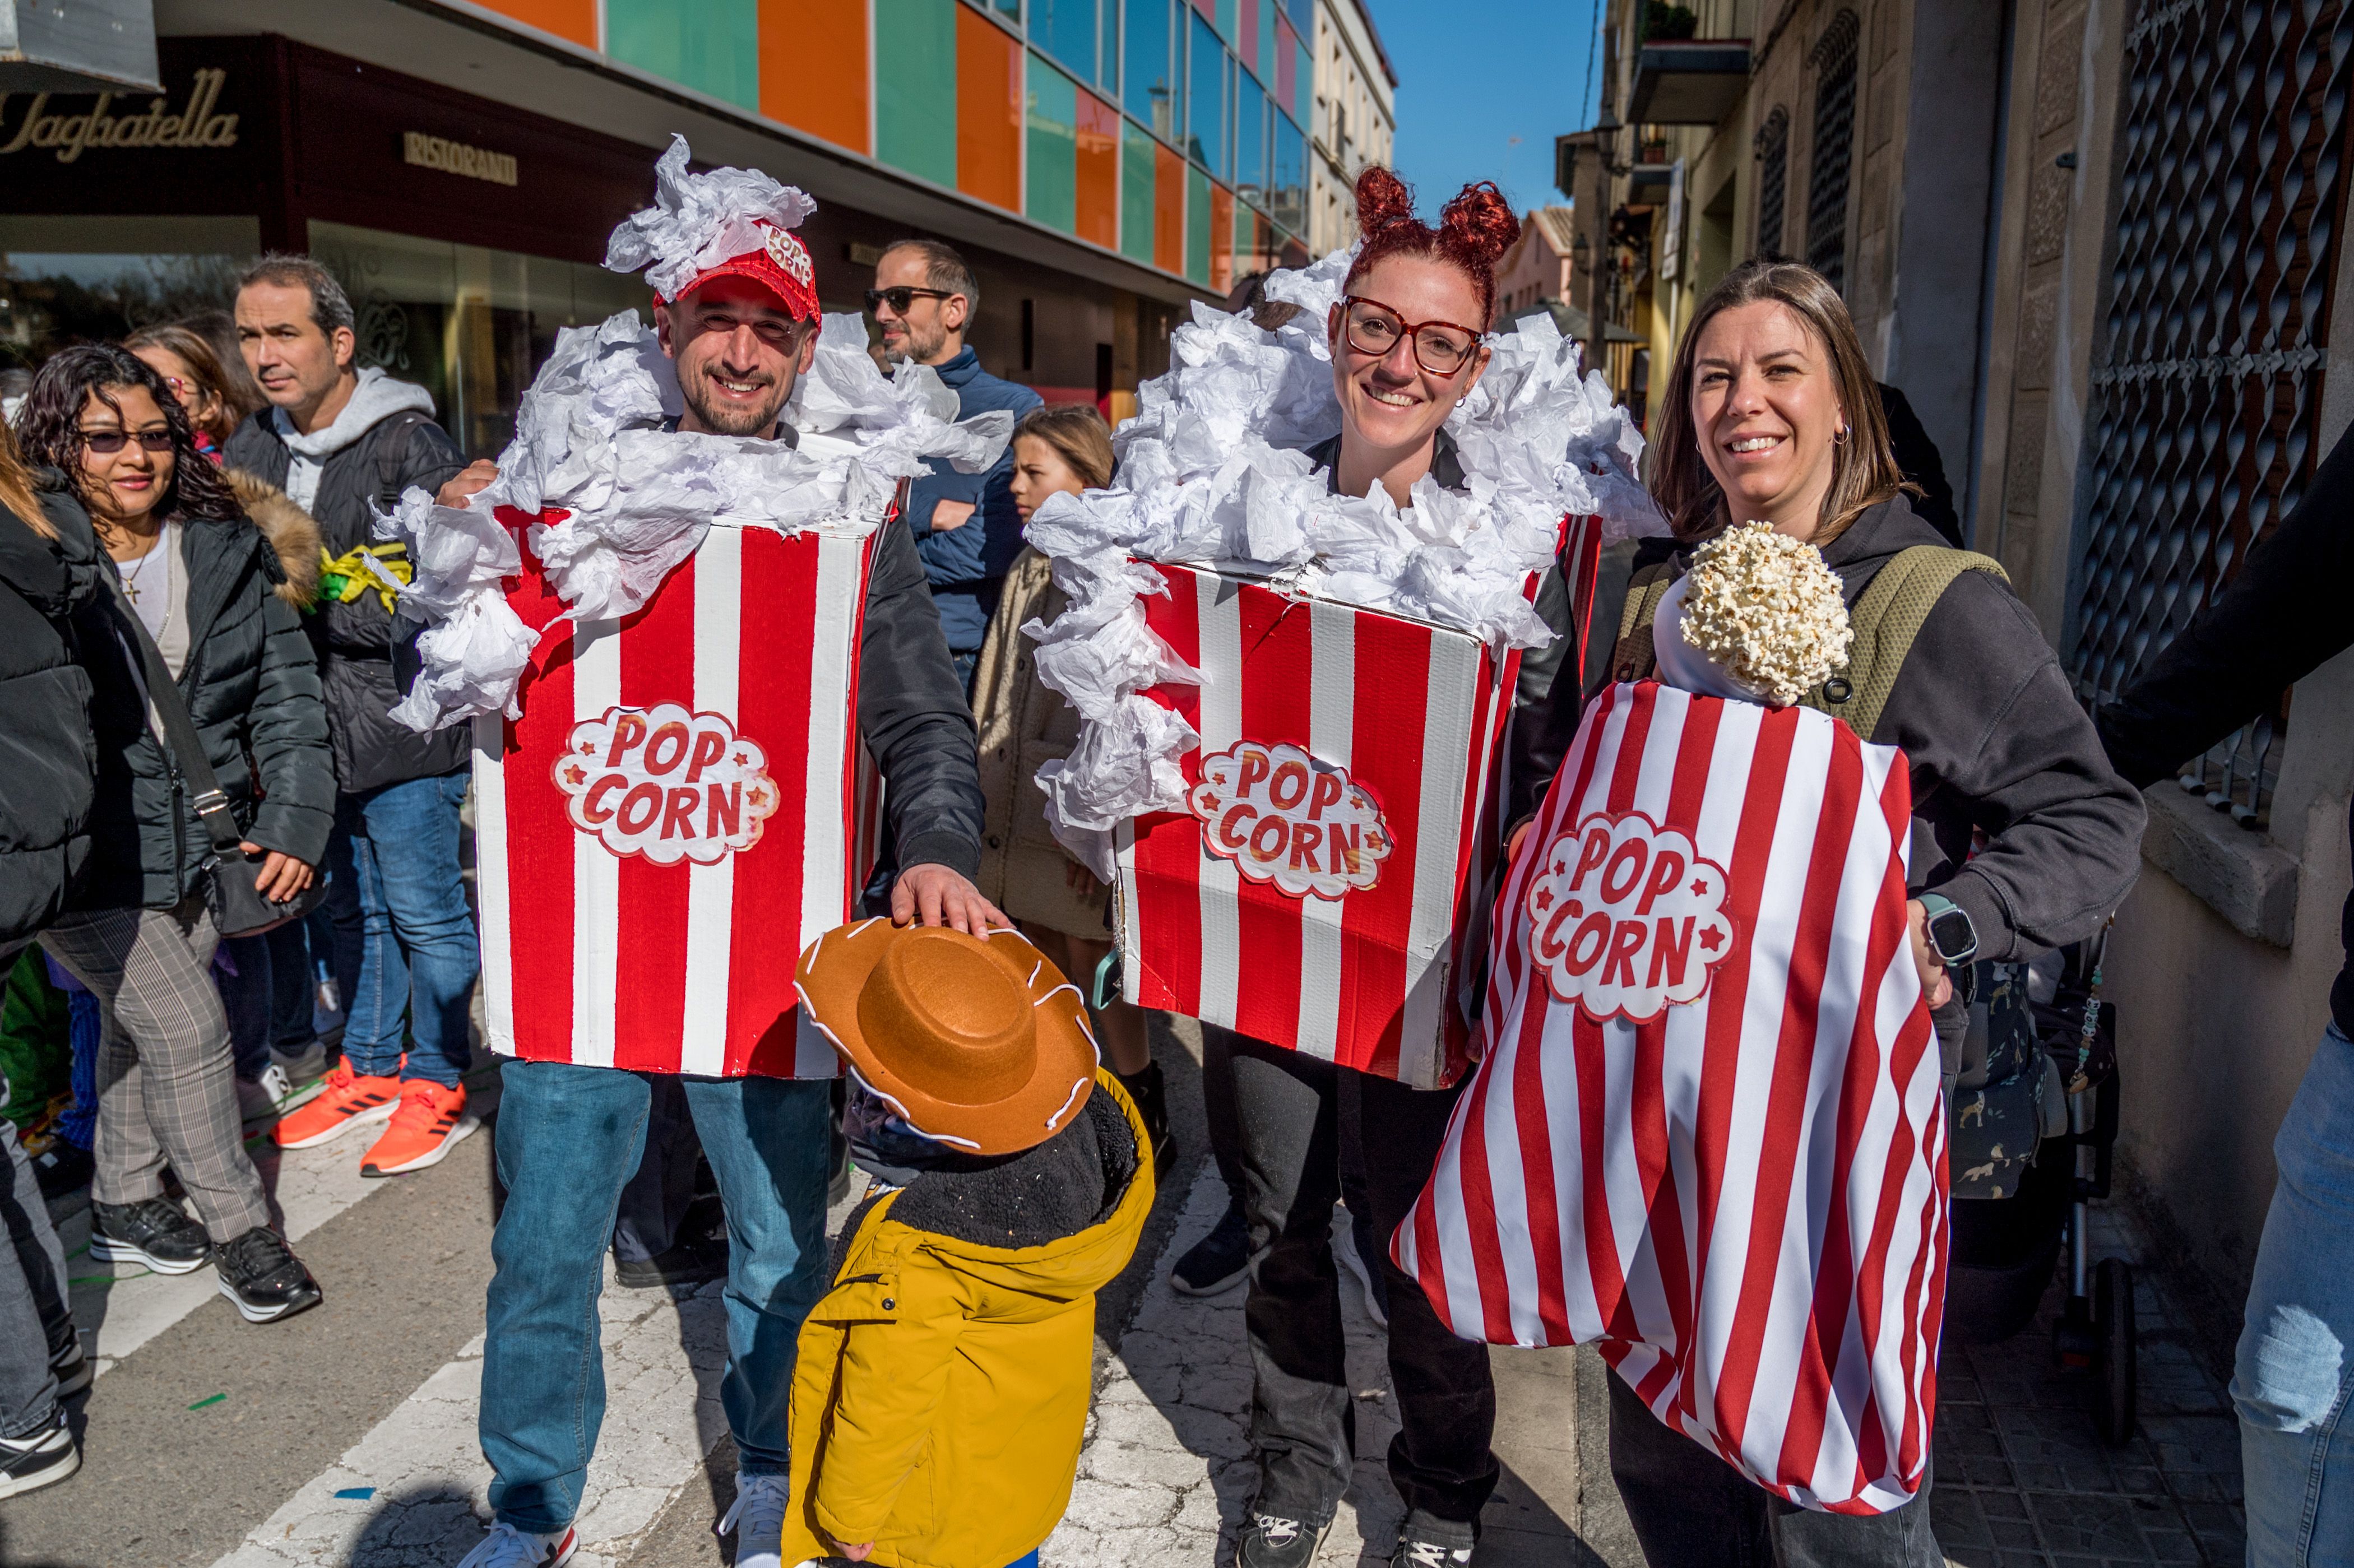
(159, 583)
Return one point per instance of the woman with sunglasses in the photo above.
(1408, 345)
(194, 576)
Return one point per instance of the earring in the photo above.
(1840, 439)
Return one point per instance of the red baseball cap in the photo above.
(782, 265)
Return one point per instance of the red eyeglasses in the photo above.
(1370, 327)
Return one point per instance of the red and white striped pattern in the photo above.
(614, 960)
(1414, 714)
(1743, 1201)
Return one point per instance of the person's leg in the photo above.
(567, 1136)
(2293, 1378)
(1220, 1258)
(241, 975)
(1904, 1537)
(375, 999)
(1440, 1458)
(1218, 1107)
(1302, 1421)
(84, 1028)
(412, 833)
(655, 1200)
(1687, 1505)
(36, 1329)
(766, 1141)
(290, 992)
(153, 969)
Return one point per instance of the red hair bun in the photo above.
(1474, 231)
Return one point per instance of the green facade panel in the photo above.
(1136, 175)
(1052, 193)
(915, 87)
(1198, 238)
(711, 45)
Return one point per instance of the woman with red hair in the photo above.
(1408, 339)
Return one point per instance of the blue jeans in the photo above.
(2294, 1372)
(568, 1138)
(404, 938)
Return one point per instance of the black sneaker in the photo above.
(1219, 1261)
(693, 1261)
(71, 1368)
(153, 1231)
(265, 1278)
(1269, 1542)
(1150, 1093)
(1427, 1542)
(62, 1169)
(38, 1459)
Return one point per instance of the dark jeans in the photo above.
(568, 1138)
(1689, 1505)
(267, 993)
(655, 1200)
(34, 1325)
(1299, 1121)
(404, 937)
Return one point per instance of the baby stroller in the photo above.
(2033, 1124)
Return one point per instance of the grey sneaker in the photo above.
(1427, 1542)
(1269, 1542)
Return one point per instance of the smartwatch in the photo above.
(1951, 936)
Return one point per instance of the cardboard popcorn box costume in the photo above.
(1293, 702)
(1706, 1132)
(654, 633)
(674, 817)
(1310, 893)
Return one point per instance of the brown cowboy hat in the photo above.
(978, 1042)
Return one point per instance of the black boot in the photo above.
(1151, 1097)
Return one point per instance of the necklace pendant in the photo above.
(132, 589)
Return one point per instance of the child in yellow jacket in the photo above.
(941, 1393)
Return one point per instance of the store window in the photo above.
(1287, 186)
(1833, 157)
(1205, 99)
(1066, 31)
(1250, 138)
(468, 324)
(64, 281)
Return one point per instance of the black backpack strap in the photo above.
(1632, 659)
(180, 738)
(389, 447)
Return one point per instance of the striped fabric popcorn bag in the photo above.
(1706, 1133)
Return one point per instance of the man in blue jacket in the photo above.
(924, 298)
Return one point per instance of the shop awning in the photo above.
(90, 46)
(1694, 82)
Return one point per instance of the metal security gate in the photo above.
(1832, 165)
(2206, 388)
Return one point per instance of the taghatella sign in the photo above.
(67, 135)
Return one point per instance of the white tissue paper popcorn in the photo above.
(588, 441)
(1212, 473)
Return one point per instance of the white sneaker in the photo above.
(272, 1095)
(758, 1518)
(306, 1067)
(507, 1547)
(39, 1459)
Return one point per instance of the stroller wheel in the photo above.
(2114, 1396)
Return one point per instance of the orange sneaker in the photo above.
(430, 1118)
(348, 1101)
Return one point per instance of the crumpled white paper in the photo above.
(1212, 474)
(697, 222)
(639, 498)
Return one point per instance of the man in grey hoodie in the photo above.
(342, 441)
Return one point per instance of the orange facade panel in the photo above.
(1099, 173)
(813, 73)
(989, 112)
(573, 20)
(1168, 210)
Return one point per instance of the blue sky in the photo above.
(1474, 73)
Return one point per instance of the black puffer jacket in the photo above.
(252, 685)
(355, 639)
(47, 759)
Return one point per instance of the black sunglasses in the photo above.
(105, 443)
(901, 298)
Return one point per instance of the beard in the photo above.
(918, 347)
(723, 417)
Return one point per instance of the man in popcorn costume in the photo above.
(650, 472)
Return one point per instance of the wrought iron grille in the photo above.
(1834, 150)
(2206, 391)
(1773, 147)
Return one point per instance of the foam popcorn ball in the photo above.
(1765, 609)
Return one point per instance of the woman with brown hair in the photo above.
(217, 405)
(1770, 415)
(1057, 902)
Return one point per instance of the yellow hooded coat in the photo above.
(941, 1392)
